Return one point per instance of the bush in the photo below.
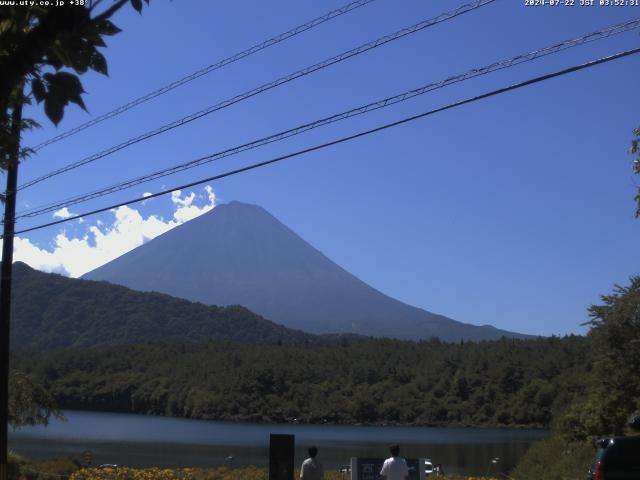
(53, 469)
(555, 459)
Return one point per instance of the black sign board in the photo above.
(369, 468)
(281, 452)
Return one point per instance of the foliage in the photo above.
(47, 46)
(21, 468)
(613, 391)
(498, 383)
(247, 473)
(614, 387)
(222, 473)
(67, 468)
(291, 375)
(635, 150)
(44, 47)
(29, 403)
(51, 311)
(555, 459)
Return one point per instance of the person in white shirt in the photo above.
(395, 467)
(311, 467)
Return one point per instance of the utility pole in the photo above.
(5, 281)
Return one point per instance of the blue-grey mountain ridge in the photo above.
(239, 254)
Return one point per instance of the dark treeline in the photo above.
(498, 383)
(53, 312)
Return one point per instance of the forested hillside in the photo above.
(51, 311)
(497, 383)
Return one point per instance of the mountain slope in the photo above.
(240, 254)
(51, 311)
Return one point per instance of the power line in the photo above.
(267, 86)
(450, 106)
(379, 104)
(208, 69)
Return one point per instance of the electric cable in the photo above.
(208, 69)
(267, 86)
(364, 133)
(379, 104)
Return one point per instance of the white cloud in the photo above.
(76, 256)
(63, 213)
(186, 210)
(146, 195)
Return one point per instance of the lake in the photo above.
(141, 441)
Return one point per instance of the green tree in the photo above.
(29, 403)
(43, 49)
(615, 381)
(635, 150)
(613, 384)
(613, 392)
(616, 334)
(46, 48)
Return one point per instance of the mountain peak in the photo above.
(236, 204)
(240, 254)
(239, 210)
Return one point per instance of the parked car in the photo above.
(617, 458)
(428, 467)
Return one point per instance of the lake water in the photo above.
(141, 440)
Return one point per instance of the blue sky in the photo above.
(516, 211)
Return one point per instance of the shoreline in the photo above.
(258, 421)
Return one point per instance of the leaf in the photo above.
(29, 124)
(26, 153)
(37, 87)
(80, 60)
(94, 37)
(106, 27)
(68, 82)
(62, 54)
(98, 63)
(79, 50)
(64, 87)
(54, 109)
(71, 88)
(78, 101)
(6, 25)
(137, 4)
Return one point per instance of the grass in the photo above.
(245, 473)
(21, 468)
